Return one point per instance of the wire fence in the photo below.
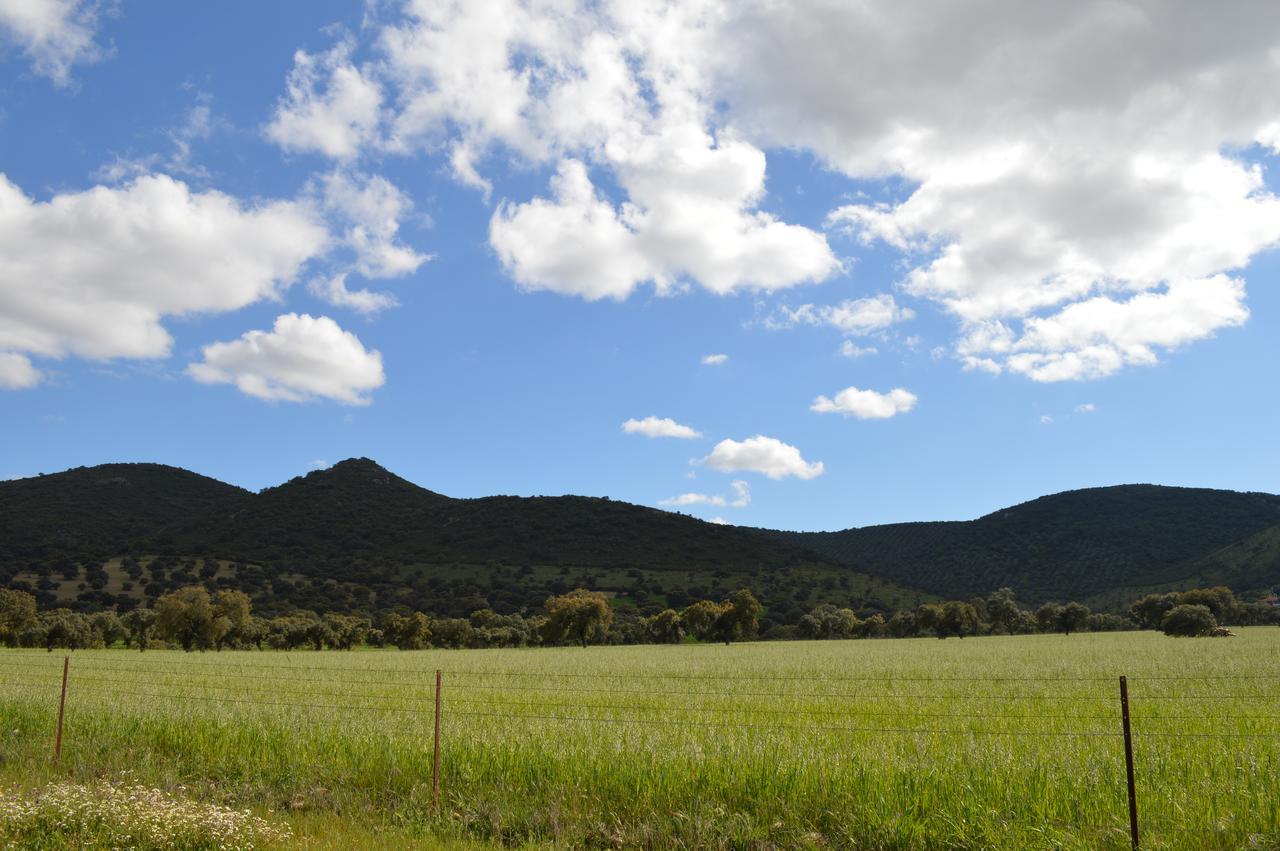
(1117, 712)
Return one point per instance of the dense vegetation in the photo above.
(356, 539)
(1076, 545)
(1006, 742)
(194, 618)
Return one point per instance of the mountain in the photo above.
(1088, 545)
(103, 510)
(358, 537)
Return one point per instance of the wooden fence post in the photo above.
(1128, 761)
(62, 708)
(435, 763)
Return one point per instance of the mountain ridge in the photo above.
(357, 535)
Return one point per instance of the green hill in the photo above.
(104, 510)
(357, 537)
(1085, 545)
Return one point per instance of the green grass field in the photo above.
(978, 743)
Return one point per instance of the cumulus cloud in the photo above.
(741, 497)
(766, 455)
(16, 372)
(55, 34)
(1035, 158)
(714, 360)
(370, 210)
(660, 427)
(1058, 152)
(93, 273)
(853, 316)
(301, 358)
(603, 85)
(330, 107)
(1098, 336)
(334, 291)
(866, 404)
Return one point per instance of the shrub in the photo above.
(1187, 619)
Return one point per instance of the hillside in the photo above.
(1082, 544)
(357, 537)
(103, 510)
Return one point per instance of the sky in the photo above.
(808, 266)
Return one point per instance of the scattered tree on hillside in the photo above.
(408, 632)
(1073, 617)
(581, 616)
(345, 631)
(1188, 620)
(665, 627)
(17, 615)
(700, 618)
(139, 623)
(1003, 611)
(109, 628)
(929, 619)
(739, 616)
(958, 618)
(189, 618)
(826, 621)
(233, 610)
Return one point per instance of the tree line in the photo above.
(194, 618)
(1198, 611)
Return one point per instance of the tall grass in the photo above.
(977, 743)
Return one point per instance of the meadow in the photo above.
(993, 743)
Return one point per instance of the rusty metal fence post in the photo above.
(1128, 761)
(435, 762)
(62, 708)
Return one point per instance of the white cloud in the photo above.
(686, 499)
(1058, 152)
(574, 245)
(17, 373)
(93, 273)
(1045, 419)
(853, 316)
(301, 358)
(660, 427)
(1034, 157)
(714, 360)
(331, 106)
(719, 521)
(55, 34)
(334, 291)
(370, 210)
(1086, 408)
(850, 349)
(741, 497)
(766, 455)
(1098, 336)
(608, 86)
(866, 404)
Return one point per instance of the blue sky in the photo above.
(1068, 282)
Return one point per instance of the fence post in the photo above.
(62, 708)
(1128, 761)
(435, 763)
